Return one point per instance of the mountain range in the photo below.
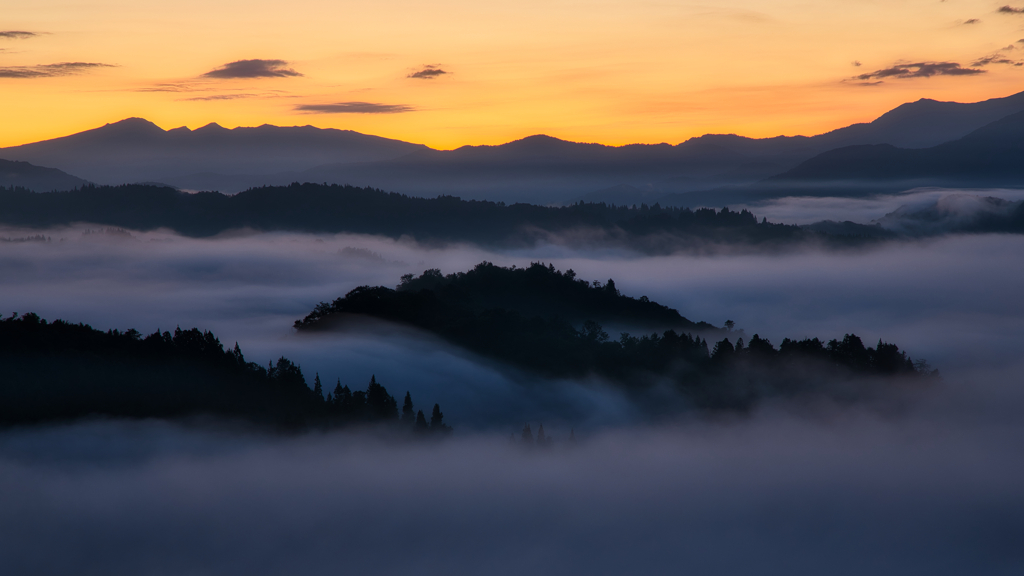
(923, 141)
(992, 155)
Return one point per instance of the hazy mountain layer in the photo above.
(135, 150)
(542, 169)
(36, 178)
(990, 156)
(332, 209)
(538, 169)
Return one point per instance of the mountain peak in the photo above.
(211, 127)
(133, 125)
(542, 143)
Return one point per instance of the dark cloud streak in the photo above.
(217, 97)
(17, 34)
(354, 108)
(428, 73)
(1010, 10)
(920, 70)
(51, 70)
(255, 68)
(994, 59)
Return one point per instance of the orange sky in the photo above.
(612, 71)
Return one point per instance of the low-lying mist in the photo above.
(789, 489)
(933, 492)
(952, 301)
(958, 206)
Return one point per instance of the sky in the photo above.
(456, 72)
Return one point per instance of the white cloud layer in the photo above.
(790, 490)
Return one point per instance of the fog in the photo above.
(775, 494)
(958, 204)
(790, 489)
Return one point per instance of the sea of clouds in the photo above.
(895, 212)
(931, 489)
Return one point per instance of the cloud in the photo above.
(994, 59)
(972, 21)
(51, 70)
(920, 70)
(1010, 10)
(857, 63)
(169, 88)
(354, 108)
(218, 97)
(934, 489)
(428, 73)
(253, 69)
(16, 34)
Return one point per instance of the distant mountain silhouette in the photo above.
(538, 169)
(990, 156)
(136, 150)
(925, 123)
(544, 170)
(36, 178)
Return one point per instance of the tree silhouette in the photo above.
(549, 323)
(527, 436)
(437, 424)
(318, 390)
(61, 371)
(408, 416)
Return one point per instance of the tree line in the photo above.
(58, 371)
(322, 208)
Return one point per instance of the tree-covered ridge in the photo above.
(514, 315)
(55, 371)
(318, 208)
(544, 291)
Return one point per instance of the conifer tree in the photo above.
(379, 404)
(408, 416)
(337, 393)
(421, 422)
(343, 399)
(437, 419)
(527, 437)
(318, 390)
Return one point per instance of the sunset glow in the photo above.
(455, 72)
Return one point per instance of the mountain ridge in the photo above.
(990, 155)
(538, 168)
(36, 178)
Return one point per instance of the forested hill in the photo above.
(58, 371)
(331, 209)
(550, 323)
(433, 300)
